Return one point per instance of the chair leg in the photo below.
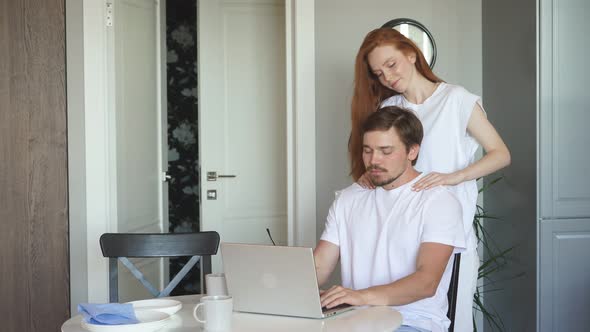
(453, 290)
(113, 280)
(205, 270)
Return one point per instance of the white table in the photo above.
(377, 319)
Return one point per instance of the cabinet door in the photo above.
(564, 110)
(564, 275)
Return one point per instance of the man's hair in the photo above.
(406, 124)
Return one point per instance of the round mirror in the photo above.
(417, 33)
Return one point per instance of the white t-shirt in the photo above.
(379, 233)
(447, 147)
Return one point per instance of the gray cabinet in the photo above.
(564, 278)
(564, 198)
(564, 109)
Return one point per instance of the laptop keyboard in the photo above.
(340, 306)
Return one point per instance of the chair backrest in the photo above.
(119, 246)
(453, 290)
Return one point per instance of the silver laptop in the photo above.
(273, 280)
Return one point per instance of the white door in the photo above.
(134, 41)
(242, 123)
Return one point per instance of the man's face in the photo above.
(386, 157)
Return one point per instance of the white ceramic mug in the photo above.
(217, 311)
(216, 284)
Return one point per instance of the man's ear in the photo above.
(413, 153)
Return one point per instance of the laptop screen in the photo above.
(272, 279)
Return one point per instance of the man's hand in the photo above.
(338, 295)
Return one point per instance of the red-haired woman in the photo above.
(391, 70)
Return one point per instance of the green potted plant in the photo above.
(496, 259)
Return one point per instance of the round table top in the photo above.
(366, 319)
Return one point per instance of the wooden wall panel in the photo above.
(34, 281)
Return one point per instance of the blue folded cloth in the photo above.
(108, 313)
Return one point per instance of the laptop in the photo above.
(274, 280)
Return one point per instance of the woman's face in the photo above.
(394, 69)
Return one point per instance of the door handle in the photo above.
(166, 177)
(213, 176)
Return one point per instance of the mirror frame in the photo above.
(399, 21)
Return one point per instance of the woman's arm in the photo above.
(497, 155)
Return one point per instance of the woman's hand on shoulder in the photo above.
(365, 182)
(435, 179)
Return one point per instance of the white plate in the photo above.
(164, 305)
(149, 320)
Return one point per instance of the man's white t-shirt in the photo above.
(379, 233)
(447, 146)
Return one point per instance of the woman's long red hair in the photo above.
(369, 93)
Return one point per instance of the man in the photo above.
(394, 244)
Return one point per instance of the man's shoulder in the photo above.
(440, 195)
(351, 192)
(346, 199)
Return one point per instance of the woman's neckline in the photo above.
(438, 87)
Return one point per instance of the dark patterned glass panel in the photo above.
(183, 164)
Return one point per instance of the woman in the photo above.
(391, 70)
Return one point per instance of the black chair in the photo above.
(119, 246)
(452, 292)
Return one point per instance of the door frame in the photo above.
(92, 187)
(301, 190)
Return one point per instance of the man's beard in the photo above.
(381, 183)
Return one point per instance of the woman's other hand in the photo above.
(437, 179)
(365, 182)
